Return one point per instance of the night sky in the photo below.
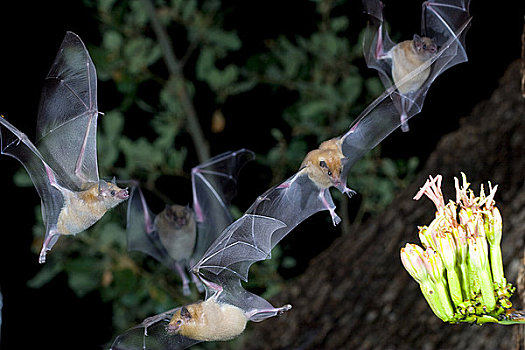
(30, 35)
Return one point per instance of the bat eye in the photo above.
(113, 193)
(424, 46)
(322, 164)
(329, 173)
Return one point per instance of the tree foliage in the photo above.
(152, 89)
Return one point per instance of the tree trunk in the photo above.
(356, 294)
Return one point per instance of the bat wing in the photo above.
(67, 117)
(16, 144)
(214, 184)
(151, 334)
(446, 22)
(141, 233)
(442, 19)
(251, 238)
(377, 42)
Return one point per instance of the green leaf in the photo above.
(84, 274)
(21, 178)
(112, 40)
(339, 24)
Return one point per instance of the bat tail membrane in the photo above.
(16, 144)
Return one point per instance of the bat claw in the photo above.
(42, 257)
(349, 192)
(335, 218)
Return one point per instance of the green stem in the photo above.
(496, 264)
(465, 279)
(487, 289)
(446, 305)
(429, 292)
(437, 298)
(454, 286)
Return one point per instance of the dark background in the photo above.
(30, 34)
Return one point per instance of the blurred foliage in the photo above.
(139, 134)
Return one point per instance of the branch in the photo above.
(175, 69)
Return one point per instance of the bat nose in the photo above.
(123, 194)
(173, 327)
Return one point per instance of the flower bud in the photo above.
(411, 258)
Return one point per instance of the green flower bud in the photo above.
(411, 259)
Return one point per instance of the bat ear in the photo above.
(114, 180)
(417, 40)
(184, 313)
(102, 186)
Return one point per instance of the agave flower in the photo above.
(460, 270)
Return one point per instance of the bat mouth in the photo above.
(122, 194)
(339, 184)
(180, 221)
(173, 327)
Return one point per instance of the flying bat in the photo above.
(179, 235)
(412, 65)
(227, 307)
(62, 164)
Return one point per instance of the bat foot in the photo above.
(404, 123)
(349, 192)
(335, 218)
(49, 242)
(262, 314)
(283, 309)
(42, 257)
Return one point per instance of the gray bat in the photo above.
(179, 235)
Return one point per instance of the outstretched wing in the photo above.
(151, 334)
(442, 19)
(16, 144)
(446, 22)
(381, 117)
(214, 184)
(251, 238)
(67, 117)
(377, 42)
(141, 234)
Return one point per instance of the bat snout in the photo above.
(173, 327)
(123, 194)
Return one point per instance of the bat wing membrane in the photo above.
(16, 144)
(141, 233)
(252, 237)
(377, 42)
(214, 184)
(151, 334)
(67, 117)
